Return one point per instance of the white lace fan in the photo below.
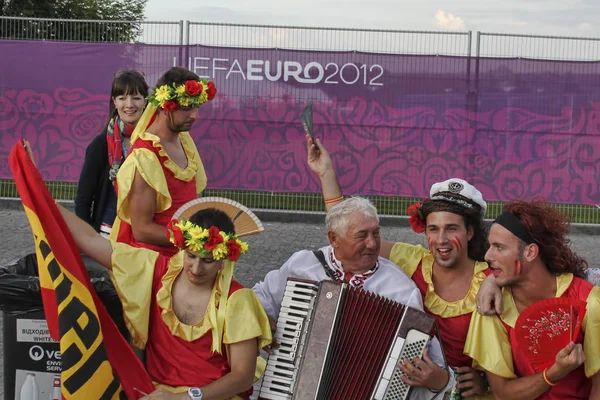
(245, 221)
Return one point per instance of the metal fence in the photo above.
(329, 39)
(537, 47)
(302, 38)
(150, 32)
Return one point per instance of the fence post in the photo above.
(186, 63)
(477, 59)
(469, 54)
(181, 51)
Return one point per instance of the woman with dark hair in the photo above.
(96, 198)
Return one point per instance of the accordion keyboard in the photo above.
(293, 322)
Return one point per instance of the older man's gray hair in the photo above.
(338, 217)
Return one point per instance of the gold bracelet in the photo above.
(546, 378)
(334, 200)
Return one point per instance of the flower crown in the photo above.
(416, 220)
(205, 242)
(191, 93)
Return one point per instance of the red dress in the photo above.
(173, 361)
(506, 360)
(453, 328)
(174, 185)
(452, 318)
(573, 386)
(179, 356)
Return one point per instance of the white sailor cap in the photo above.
(459, 187)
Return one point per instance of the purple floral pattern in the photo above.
(391, 140)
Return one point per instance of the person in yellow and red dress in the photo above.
(163, 169)
(448, 273)
(200, 328)
(532, 261)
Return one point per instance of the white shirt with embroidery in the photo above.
(384, 279)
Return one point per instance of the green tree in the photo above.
(105, 13)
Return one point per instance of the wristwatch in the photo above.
(195, 393)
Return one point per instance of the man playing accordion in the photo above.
(353, 257)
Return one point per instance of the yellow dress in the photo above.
(492, 343)
(174, 185)
(179, 356)
(452, 318)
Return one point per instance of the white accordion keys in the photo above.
(283, 365)
(390, 386)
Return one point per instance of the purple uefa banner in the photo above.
(394, 124)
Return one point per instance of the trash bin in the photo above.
(31, 358)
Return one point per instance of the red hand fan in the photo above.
(546, 327)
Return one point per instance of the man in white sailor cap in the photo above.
(449, 273)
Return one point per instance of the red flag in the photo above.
(97, 362)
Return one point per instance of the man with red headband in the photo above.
(449, 273)
(532, 261)
(163, 169)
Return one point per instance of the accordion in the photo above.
(340, 342)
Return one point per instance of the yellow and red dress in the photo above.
(492, 343)
(179, 356)
(174, 185)
(452, 318)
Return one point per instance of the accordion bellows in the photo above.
(340, 342)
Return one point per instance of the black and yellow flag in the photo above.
(97, 362)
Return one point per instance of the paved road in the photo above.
(267, 251)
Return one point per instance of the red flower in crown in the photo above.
(193, 88)
(233, 250)
(178, 238)
(211, 90)
(170, 105)
(214, 238)
(416, 220)
(170, 228)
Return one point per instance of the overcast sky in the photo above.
(573, 18)
(550, 17)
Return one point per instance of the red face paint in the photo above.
(430, 244)
(457, 244)
(518, 267)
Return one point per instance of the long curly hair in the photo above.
(549, 228)
(478, 245)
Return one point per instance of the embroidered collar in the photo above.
(357, 280)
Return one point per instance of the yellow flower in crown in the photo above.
(243, 245)
(205, 242)
(180, 90)
(186, 225)
(185, 102)
(197, 232)
(193, 245)
(203, 97)
(220, 251)
(162, 94)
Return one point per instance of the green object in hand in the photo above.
(307, 122)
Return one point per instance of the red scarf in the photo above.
(115, 145)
